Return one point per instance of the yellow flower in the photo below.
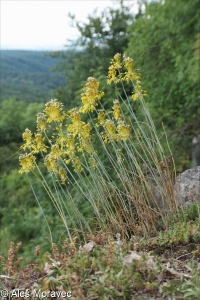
(101, 117)
(61, 140)
(136, 76)
(77, 124)
(63, 175)
(54, 111)
(55, 151)
(116, 61)
(112, 75)
(130, 74)
(70, 146)
(128, 63)
(27, 163)
(138, 86)
(67, 161)
(90, 95)
(51, 163)
(84, 138)
(144, 93)
(85, 131)
(38, 145)
(27, 137)
(116, 110)
(113, 70)
(110, 130)
(41, 122)
(123, 129)
(74, 129)
(138, 91)
(135, 96)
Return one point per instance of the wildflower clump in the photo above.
(27, 163)
(114, 74)
(99, 152)
(41, 122)
(70, 135)
(54, 111)
(123, 130)
(115, 127)
(116, 110)
(27, 137)
(122, 71)
(90, 95)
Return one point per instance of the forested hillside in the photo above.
(27, 76)
(26, 83)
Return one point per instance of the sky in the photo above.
(43, 24)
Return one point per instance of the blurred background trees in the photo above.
(100, 39)
(164, 43)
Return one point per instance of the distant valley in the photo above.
(27, 75)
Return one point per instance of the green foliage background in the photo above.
(164, 42)
(163, 39)
(25, 75)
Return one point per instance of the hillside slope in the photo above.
(27, 76)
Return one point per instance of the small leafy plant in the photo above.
(185, 288)
(103, 268)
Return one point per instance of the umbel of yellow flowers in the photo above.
(70, 136)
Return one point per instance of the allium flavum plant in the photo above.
(108, 163)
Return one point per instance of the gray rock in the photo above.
(187, 186)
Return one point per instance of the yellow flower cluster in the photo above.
(27, 137)
(114, 69)
(115, 129)
(70, 138)
(118, 132)
(35, 144)
(130, 74)
(123, 71)
(54, 111)
(51, 163)
(111, 131)
(90, 95)
(63, 175)
(81, 131)
(27, 163)
(123, 130)
(75, 127)
(116, 110)
(101, 117)
(38, 145)
(41, 122)
(70, 148)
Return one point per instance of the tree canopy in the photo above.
(164, 45)
(101, 37)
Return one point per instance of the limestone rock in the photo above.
(187, 187)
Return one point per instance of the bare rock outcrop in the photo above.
(187, 187)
